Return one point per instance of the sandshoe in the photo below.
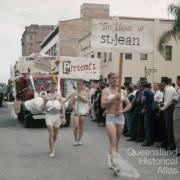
(80, 143)
(75, 143)
(109, 162)
(115, 168)
(52, 155)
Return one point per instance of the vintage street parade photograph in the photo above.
(90, 90)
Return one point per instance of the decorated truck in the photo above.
(31, 85)
(29, 100)
(33, 73)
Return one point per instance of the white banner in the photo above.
(79, 68)
(45, 62)
(35, 63)
(69, 68)
(26, 65)
(122, 35)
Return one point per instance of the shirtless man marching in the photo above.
(115, 120)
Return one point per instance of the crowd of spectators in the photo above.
(154, 113)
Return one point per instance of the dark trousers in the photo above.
(140, 130)
(163, 130)
(137, 124)
(148, 125)
(156, 126)
(168, 117)
(128, 119)
(101, 118)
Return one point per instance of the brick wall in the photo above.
(94, 10)
(32, 37)
(71, 31)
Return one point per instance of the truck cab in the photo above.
(25, 89)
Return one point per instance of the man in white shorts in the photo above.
(113, 101)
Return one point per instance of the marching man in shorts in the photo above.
(111, 99)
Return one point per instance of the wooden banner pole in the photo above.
(120, 71)
(120, 79)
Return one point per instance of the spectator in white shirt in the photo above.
(157, 117)
(135, 89)
(158, 95)
(169, 93)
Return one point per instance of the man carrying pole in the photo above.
(112, 100)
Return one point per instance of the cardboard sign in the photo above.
(35, 63)
(122, 35)
(44, 62)
(69, 67)
(79, 68)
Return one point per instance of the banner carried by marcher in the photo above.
(45, 62)
(70, 67)
(35, 63)
(79, 68)
(26, 64)
(122, 35)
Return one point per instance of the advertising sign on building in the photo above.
(122, 35)
(79, 68)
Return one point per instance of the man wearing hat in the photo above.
(137, 132)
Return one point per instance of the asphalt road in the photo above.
(24, 155)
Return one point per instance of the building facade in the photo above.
(63, 40)
(73, 38)
(136, 66)
(33, 37)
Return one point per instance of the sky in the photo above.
(16, 14)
